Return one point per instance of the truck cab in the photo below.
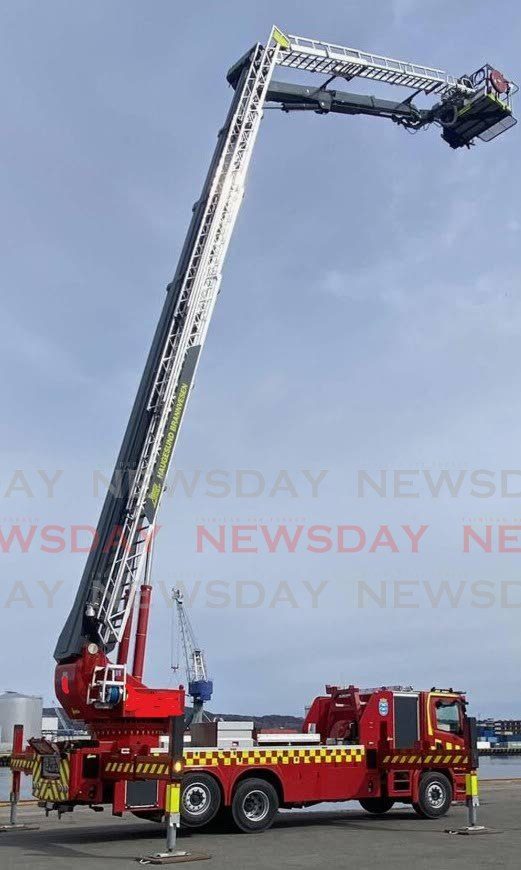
(420, 744)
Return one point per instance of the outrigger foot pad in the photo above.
(472, 830)
(174, 857)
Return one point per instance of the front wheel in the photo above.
(435, 796)
(377, 805)
(254, 806)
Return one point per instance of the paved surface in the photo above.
(311, 839)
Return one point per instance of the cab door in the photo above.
(446, 720)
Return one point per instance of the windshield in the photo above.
(448, 716)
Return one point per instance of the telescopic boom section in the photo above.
(469, 106)
(113, 570)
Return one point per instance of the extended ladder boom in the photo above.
(314, 55)
(479, 105)
(114, 568)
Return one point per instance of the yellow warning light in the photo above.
(178, 766)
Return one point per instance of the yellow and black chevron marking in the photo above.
(23, 764)
(426, 759)
(280, 755)
(51, 789)
(149, 767)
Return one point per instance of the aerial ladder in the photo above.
(200, 688)
(110, 697)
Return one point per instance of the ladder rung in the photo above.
(368, 65)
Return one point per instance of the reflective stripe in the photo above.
(451, 759)
(471, 785)
(282, 755)
(172, 797)
(55, 790)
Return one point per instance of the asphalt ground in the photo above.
(316, 838)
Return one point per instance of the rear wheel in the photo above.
(435, 796)
(254, 806)
(377, 805)
(200, 800)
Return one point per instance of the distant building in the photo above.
(499, 732)
(18, 709)
(508, 726)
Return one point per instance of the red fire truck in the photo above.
(377, 746)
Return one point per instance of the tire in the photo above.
(254, 806)
(377, 805)
(435, 796)
(200, 800)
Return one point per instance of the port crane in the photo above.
(123, 715)
(200, 688)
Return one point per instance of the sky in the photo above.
(366, 333)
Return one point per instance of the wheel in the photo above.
(254, 806)
(435, 796)
(200, 800)
(377, 805)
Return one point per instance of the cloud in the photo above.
(22, 346)
(403, 8)
(433, 308)
(434, 284)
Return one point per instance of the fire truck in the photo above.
(377, 746)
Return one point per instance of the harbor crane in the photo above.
(200, 688)
(125, 718)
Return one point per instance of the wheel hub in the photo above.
(255, 806)
(196, 799)
(435, 795)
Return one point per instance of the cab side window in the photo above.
(448, 717)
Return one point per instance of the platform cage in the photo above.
(487, 113)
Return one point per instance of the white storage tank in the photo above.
(17, 709)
